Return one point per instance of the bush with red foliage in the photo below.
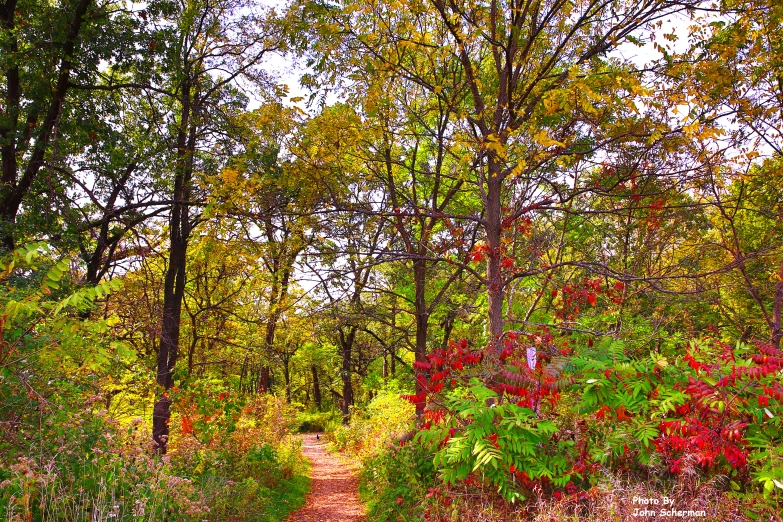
(500, 422)
(717, 409)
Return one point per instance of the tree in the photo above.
(536, 97)
(277, 211)
(213, 47)
(222, 271)
(351, 260)
(113, 181)
(297, 334)
(720, 77)
(414, 161)
(36, 87)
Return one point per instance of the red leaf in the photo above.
(187, 425)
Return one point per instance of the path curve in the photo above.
(334, 487)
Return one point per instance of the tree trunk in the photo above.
(9, 128)
(422, 320)
(316, 387)
(269, 342)
(191, 353)
(13, 190)
(448, 326)
(276, 301)
(264, 380)
(392, 363)
(174, 282)
(492, 228)
(777, 307)
(346, 346)
(287, 377)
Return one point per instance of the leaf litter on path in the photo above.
(334, 487)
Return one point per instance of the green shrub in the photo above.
(311, 422)
(385, 420)
(395, 482)
(715, 410)
(550, 426)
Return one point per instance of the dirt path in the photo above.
(334, 488)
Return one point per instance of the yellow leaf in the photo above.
(692, 129)
(518, 168)
(229, 176)
(655, 136)
(492, 143)
(543, 139)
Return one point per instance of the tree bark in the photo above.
(316, 387)
(392, 363)
(8, 128)
(422, 323)
(777, 307)
(346, 347)
(448, 326)
(276, 302)
(264, 380)
(287, 377)
(492, 226)
(174, 282)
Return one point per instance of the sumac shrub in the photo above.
(540, 418)
(395, 482)
(716, 409)
(500, 429)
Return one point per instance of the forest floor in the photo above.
(334, 487)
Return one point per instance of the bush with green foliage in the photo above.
(715, 410)
(394, 483)
(316, 421)
(372, 430)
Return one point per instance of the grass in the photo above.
(288, 497)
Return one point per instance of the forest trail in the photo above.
(334, 487)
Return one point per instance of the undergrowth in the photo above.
(91, 467)
(593, 434)
(74, 441)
